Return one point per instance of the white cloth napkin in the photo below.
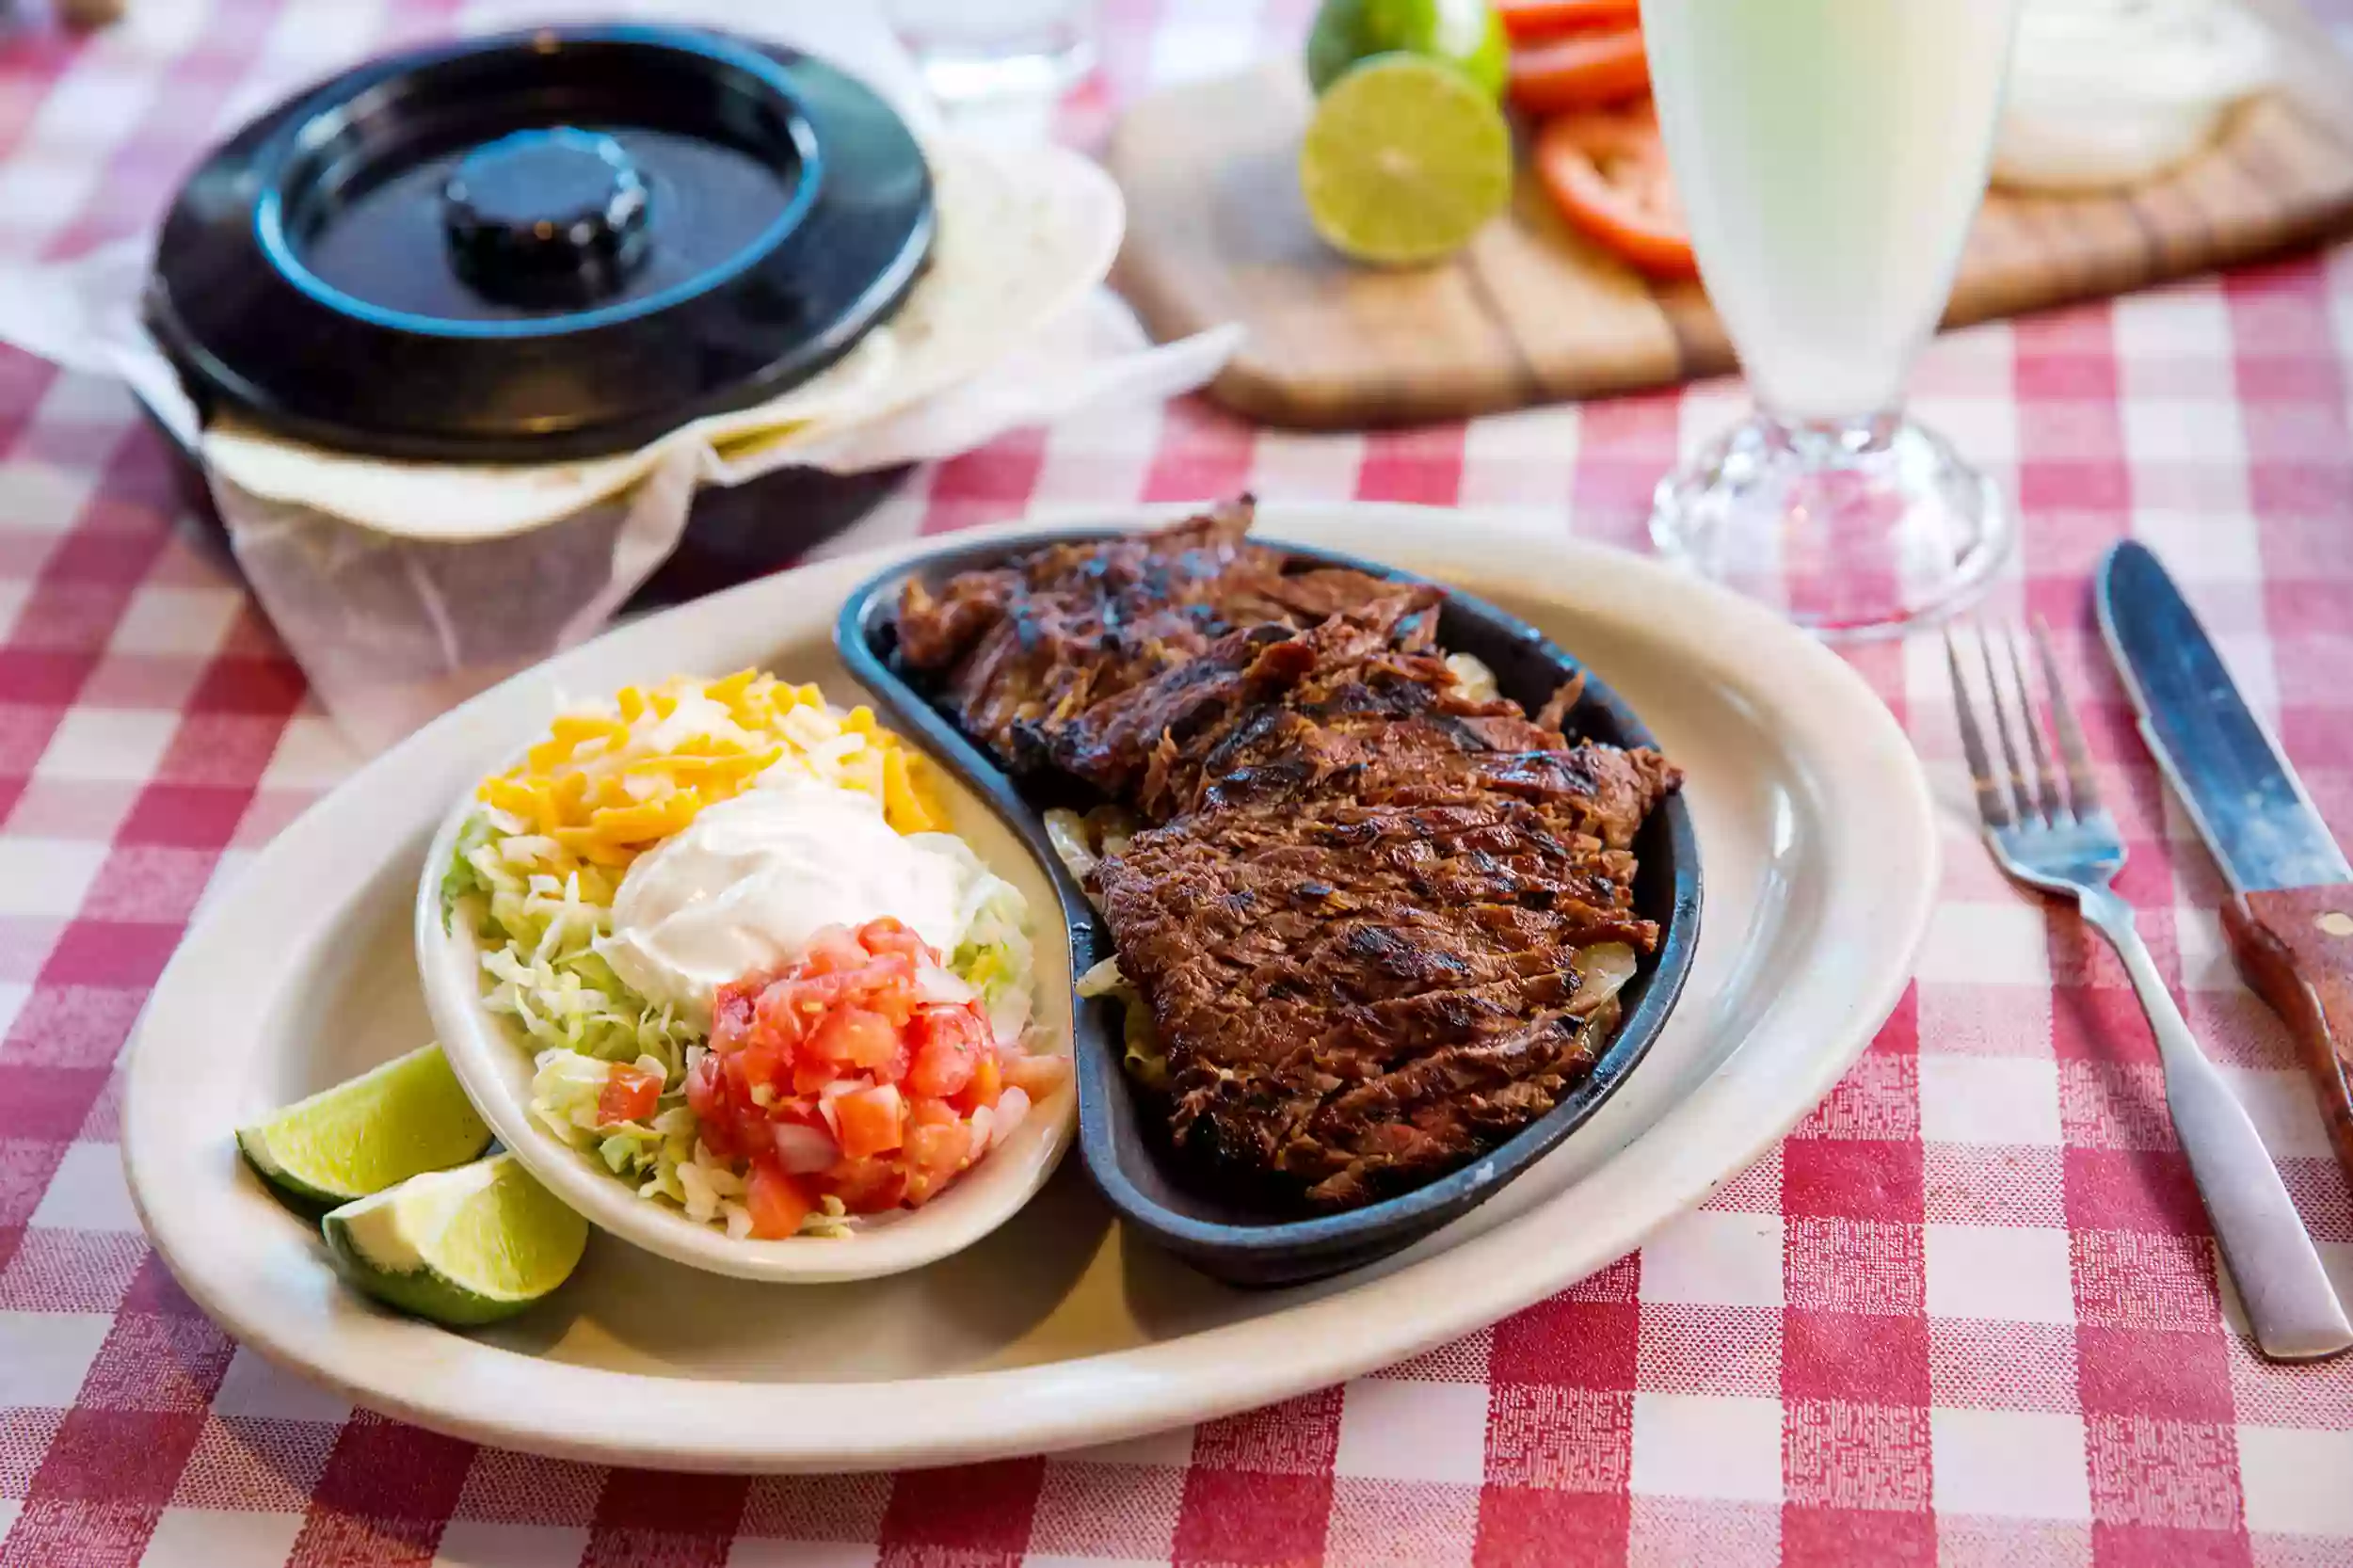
(393, 628)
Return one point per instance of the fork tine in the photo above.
(2029, 812)
(2047, 781)
(1993, 800)
(2082, 790)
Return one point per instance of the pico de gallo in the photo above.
(866, 1072)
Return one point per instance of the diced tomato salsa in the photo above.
(630, 1094)
(864, 1072)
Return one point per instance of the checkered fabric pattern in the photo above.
(1968, 1314)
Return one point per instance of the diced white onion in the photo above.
(1011, 1106)
(1473, 679)
(1067, 832)
(802, 1149)
(1602, 972)
(935, 985)
(1103, 979)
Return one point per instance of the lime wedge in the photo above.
(383, 1126)
(1466, 34)
(1404, 160)
(458, 1247)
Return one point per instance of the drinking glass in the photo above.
(1829, 156)
(977, 51)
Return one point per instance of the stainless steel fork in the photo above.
(2047, 829)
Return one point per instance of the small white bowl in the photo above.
(495, 1066)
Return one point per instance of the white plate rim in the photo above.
(1879, 912)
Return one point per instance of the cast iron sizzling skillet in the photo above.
(1235, 1244)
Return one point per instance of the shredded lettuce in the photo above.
(460, 879)
(991, 952)
(566, 1092)
(995, 958)
(662, 1156)
(538, 938)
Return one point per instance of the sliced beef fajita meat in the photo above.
(1354, 997)
(1336, 710)
(1027, 649)
(1358, 925)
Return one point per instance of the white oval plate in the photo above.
(1818, 845)
(496, 1068)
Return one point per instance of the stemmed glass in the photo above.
(1829, 156)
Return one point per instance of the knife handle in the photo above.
(2295, 946)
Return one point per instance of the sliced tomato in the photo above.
(778, 1016)
(887, 976)
(935, 1153)
(869, 1121)
(927, 1111)
(832, 948)
(761, 1061)
(778, 1203)
(1580, 70)
(855, 1037)
(948, 1044)
(887, 935)
(630, 1094)
(734, 1012)
(1541, 19)
(867, 1185)
(1606, 171)
(987, 1084)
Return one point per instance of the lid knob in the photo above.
(553, 216)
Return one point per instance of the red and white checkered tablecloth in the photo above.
(1968, 1314)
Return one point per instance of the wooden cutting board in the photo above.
(1530, 312)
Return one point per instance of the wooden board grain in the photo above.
(1531, 313)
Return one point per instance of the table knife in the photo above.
(2289, 919)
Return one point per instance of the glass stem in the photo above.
(1826, 443)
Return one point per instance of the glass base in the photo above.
(990, 51)
(958, 77)
(1851, 530)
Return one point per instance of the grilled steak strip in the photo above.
(1031, 648)
(1348, 994)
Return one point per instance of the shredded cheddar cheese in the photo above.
(609, 782)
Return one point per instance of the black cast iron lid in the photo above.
(546, 245)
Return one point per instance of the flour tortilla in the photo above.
(1022, 238)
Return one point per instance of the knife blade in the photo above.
(2290, 920)
(2248, 803)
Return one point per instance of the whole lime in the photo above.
(1466, 34)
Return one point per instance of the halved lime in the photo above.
(383, 1126)
(458, 1247)
(1404, 160)
(1466, 34)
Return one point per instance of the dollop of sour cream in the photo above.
(746, 885)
